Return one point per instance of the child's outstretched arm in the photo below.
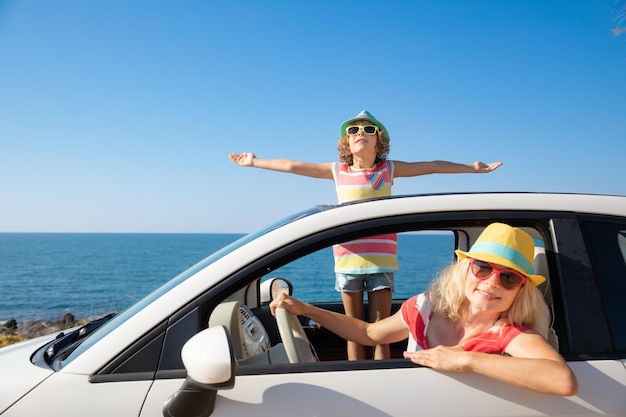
(248, 159)
(412, 169)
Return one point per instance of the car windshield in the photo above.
(86, 342)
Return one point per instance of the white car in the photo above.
(214, 320)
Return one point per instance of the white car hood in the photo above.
(19, 375)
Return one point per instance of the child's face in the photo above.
(362, 142)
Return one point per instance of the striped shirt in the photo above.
(374, 254)
(416, 313)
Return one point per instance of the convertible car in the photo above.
(205, 343)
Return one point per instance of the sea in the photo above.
(44, 276)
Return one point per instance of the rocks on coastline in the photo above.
(13, 331)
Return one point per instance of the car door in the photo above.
(387, 390)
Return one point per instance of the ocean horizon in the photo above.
(46, 275)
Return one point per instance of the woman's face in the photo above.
(488, 295)
(362, 142)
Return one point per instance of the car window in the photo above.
(607, 248)
(421, 255)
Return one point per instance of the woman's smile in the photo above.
(488, 295)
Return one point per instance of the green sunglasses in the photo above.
(369, 129)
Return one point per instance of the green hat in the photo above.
(364, 115)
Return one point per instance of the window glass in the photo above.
(607, 248)
(621, 241)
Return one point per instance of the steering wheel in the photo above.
(297, 345)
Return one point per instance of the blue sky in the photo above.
(118, 116)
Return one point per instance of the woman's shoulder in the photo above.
(419, 302)
(505, 325)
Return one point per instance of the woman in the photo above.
(486, 303)
(364, 265)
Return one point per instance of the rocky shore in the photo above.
(13, 331)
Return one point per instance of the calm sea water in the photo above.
(45, 275)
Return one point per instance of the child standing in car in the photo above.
(363, 172)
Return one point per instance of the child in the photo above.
(364, 172)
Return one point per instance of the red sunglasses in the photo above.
(509, 280)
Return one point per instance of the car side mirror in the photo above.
(274, 286)
(210, 362)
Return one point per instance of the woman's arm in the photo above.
(412, 169)
(533, 364)
(248, 159)
(385, 331)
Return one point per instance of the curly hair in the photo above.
(382, 148)
(447, 295)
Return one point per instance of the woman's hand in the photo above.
(441, 358)
(292, 305)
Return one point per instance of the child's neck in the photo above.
(363, 163)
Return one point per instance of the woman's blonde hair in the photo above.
(382, 148)
(447, 296)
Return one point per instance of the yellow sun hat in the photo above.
(508, 246)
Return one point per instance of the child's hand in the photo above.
(243, 159)
(482, 167)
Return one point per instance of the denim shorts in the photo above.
(363, 282)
